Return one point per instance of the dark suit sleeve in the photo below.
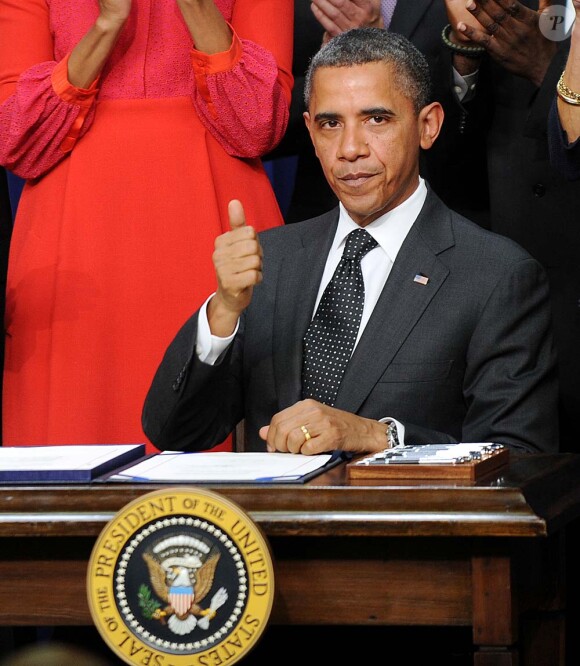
(192, 406)
(564, 156)
(541, 101)
(510, 386)
(456, 165)
(511, 380)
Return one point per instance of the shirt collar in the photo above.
(389, 230)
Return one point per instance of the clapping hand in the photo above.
(337, 16)
(116, 11)
(508, 31)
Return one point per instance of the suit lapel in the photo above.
(407, 15)
(299, 278)
(400, 305)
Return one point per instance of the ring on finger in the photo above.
(307, 435)
(492, 28)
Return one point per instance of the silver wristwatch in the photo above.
(392, 435)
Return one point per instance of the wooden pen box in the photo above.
(482, 462)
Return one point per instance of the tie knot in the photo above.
(358, 243)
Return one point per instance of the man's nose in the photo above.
(353, 143)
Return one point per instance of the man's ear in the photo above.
(306, 117)
(430, 121)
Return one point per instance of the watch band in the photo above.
(392, 435)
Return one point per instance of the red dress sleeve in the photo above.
(41, 114)
(243, 95)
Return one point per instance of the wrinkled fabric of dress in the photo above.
(127, 186)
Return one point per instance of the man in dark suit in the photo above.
(530, 202)
(454, 342)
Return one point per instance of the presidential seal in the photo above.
(181, 577)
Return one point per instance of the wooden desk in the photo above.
(488, 556)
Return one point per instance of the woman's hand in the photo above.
(90, 55)
(114, 11)
(208, 29)
(457, 13)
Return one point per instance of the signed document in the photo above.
(224, 466)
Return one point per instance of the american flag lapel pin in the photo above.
(421, 279)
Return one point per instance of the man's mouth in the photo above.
(356, 179)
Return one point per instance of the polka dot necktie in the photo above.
(331, 336)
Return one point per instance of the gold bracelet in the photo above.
(566, 94)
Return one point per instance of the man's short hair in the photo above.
(361, 46)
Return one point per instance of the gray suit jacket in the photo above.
(466, 357)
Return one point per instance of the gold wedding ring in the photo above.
(307, 435)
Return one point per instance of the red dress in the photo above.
(127, 187)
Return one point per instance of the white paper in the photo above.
(58, 458)
(223, 466)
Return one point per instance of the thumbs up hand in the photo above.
(237, 259)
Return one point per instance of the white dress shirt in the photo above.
(389, 230)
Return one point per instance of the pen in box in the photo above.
(423, 461)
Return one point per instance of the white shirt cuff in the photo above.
(398, 425)
(209, 347)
